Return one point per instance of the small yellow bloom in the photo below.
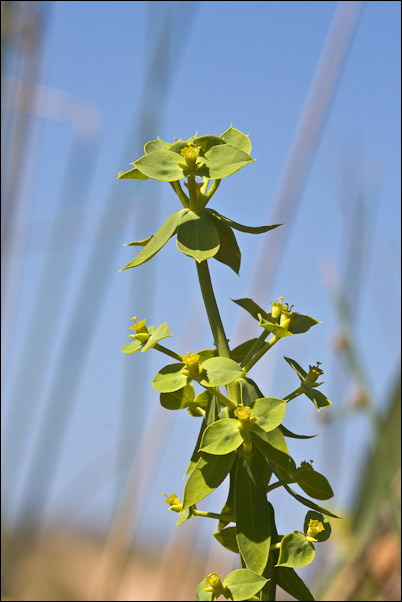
(190, 360)
(314, 373)
(137, 326)
(243, 414)
(314, 528)
(174, 502)
(277, 308)
(213, 579)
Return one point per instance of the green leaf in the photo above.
(278, 331)
(249, 391)
(295, 551)
(272, 446)
(132, 347)
(229, 252)
(169, 379)
(178, 400)
(156, 145)
(197, 236)
(318, 398)
(289, 433)
(241, 227)
(290, 581)
(297, 368)
(252, 515)
(183, 516)
(227, 538)
(269, 412)
(300, 323)
(158, 240)
(161, 165)
(207, 475)
(138, 243)
(324, 535)
(221, 437)
(308, 503)
(162, 332)
(179, 145)
(196, 455)
(202, 595)
(314, 484)
(243, 584)
(238, 139)
(207, 142)
(219, 371)
(225, 159)
(131, 174)
(228, 509)
(252, 308)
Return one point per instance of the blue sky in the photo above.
(246, 63)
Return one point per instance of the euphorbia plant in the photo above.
(242, 435)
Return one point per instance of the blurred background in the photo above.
(87, 449)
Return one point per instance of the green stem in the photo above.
(261, 352)
(213, 189)
(168, 352)
(221, 397)
(224, 517)
(181, 194)
(274, 486)
(192, 192)
(295, 393)
(211, 307)
(254, 348)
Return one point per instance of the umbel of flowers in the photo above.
(242, 438)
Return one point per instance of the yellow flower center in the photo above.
(213, 579)
(314, 528)
(137, 326)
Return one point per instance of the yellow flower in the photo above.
(174, 502)
(243, 414)
(190, 360)
(314, 528)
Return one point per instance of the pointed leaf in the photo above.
(290, 581)
(289, 433)
(252, 307)
(161, 165)
(297, 368)
(243, 584)
(207, 475)
(132, 347)
(178, 400)
(318, 398)
(183, 516)
(252, 515)
(308, 503)
(197, 236)
(276, 329)
(219, 371)
(169, 379)
(154, 145)
(300, 323)
(131, 174)
(158, 240)
(241, 227)
(249, 391)
(229, 252)
(295, 551)
(314, 484)
(239, 353)
(237, 138)
(138, 243)
(269, 412)
(162, 332)
(273, 447)
(225, 159)
(221, 437)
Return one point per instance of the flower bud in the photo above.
(314, 528)
(174, 502)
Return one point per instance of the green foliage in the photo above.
(242, 435)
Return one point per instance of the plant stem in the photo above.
(211, 307)
(224, 517)
(254, 348)
(262, 352)
(274, 486)
(294, 394)
(180, 193)
(220, 396)
(169, 352)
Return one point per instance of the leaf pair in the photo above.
(241, 584)
(309, 389)
(219, 157)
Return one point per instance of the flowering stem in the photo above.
(225, 517)
(221, 397)
(261, 352)
(294, 394)
(169, 352)
(211, 307)
(274, 486)
(180, 193)
(254, 347)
